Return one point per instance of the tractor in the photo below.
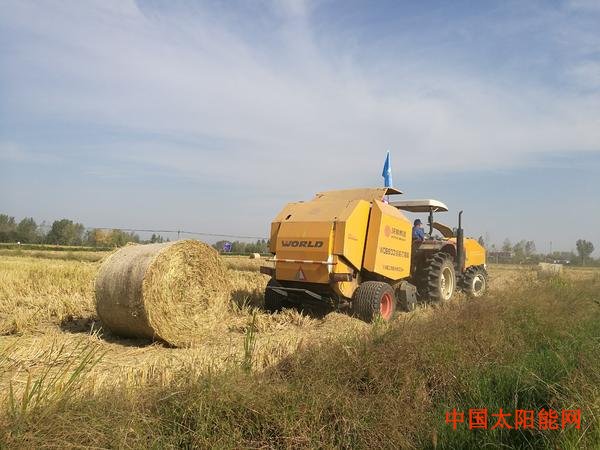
(352, 250)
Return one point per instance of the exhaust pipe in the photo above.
(460, 245)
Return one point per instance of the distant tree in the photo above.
(584, 249)
(98, 238)
(156, 239)
(65, 232)
(519, 251)
(263, 245)
(481, 241)
(486, 237)
(8, 228)
(506, 245)
(27, 231)
(260, 246)
(238, 247)
(119, 238)
(219, 245)
(563, 256)
(529, 248)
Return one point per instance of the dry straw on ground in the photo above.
(165, 291)
(46, 304)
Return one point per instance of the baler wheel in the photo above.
(274, 301)
(374, 299)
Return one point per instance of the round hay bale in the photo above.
(161, 291)
(255, 256)
(547, 270)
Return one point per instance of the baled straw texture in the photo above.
(547, 270)
(161, 291)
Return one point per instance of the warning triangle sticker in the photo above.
(300, 275)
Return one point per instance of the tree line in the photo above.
(260, 246)
(524, 251)
(65, 232)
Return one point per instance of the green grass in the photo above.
(52, 389)
(537, 347)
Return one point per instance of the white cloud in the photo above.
(585, 5)
(587, 74)
(284, 109)
(9, 151)
(13, 152)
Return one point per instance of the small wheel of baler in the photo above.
(274, 301)
(406, 296)
(374, 299)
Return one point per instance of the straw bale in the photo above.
(161, 291)
(547, 270)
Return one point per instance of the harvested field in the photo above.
(254, 371)
(55, 307)
(53, 254)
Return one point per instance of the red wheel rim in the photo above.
(385, 306)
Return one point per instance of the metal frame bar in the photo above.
(300, 261)
(285, 290)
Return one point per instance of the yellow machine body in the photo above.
(332, 238)
(341, 232)
(474, 253)
(389, 242)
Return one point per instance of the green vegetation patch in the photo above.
(534, 348)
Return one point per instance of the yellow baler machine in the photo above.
(341, 243)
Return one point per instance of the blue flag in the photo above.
(387, 172)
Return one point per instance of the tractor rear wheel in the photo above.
(474, 281)
(374, 299)
(438, 278)
(274, 301)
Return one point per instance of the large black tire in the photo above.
(274, 301)
(474, 281)
(374, 299)
(437, 280)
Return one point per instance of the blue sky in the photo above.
(210, 116)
